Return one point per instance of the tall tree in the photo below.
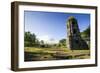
(29, 39)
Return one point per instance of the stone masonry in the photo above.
(74, 39)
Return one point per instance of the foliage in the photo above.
(30, 39)
(62, 43)
(86, 33)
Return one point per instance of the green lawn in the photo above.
(55, 53)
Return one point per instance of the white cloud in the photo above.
(47, 39)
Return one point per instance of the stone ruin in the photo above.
(74, 39)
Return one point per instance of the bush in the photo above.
(26, 44)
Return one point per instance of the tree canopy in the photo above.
(86, 33)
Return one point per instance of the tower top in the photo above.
(72, 18)
(71, 21)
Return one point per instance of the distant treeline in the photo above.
(30, 40)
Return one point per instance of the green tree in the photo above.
(37, 43)
(62, 43)
(86, 33)
(29, 39)
(42, 43)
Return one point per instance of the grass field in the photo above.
(39, 54)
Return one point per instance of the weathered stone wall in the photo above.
(74, 39)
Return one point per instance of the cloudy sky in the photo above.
(51, 26)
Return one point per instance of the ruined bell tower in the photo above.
(74, 39)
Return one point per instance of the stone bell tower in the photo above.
(74, 39)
